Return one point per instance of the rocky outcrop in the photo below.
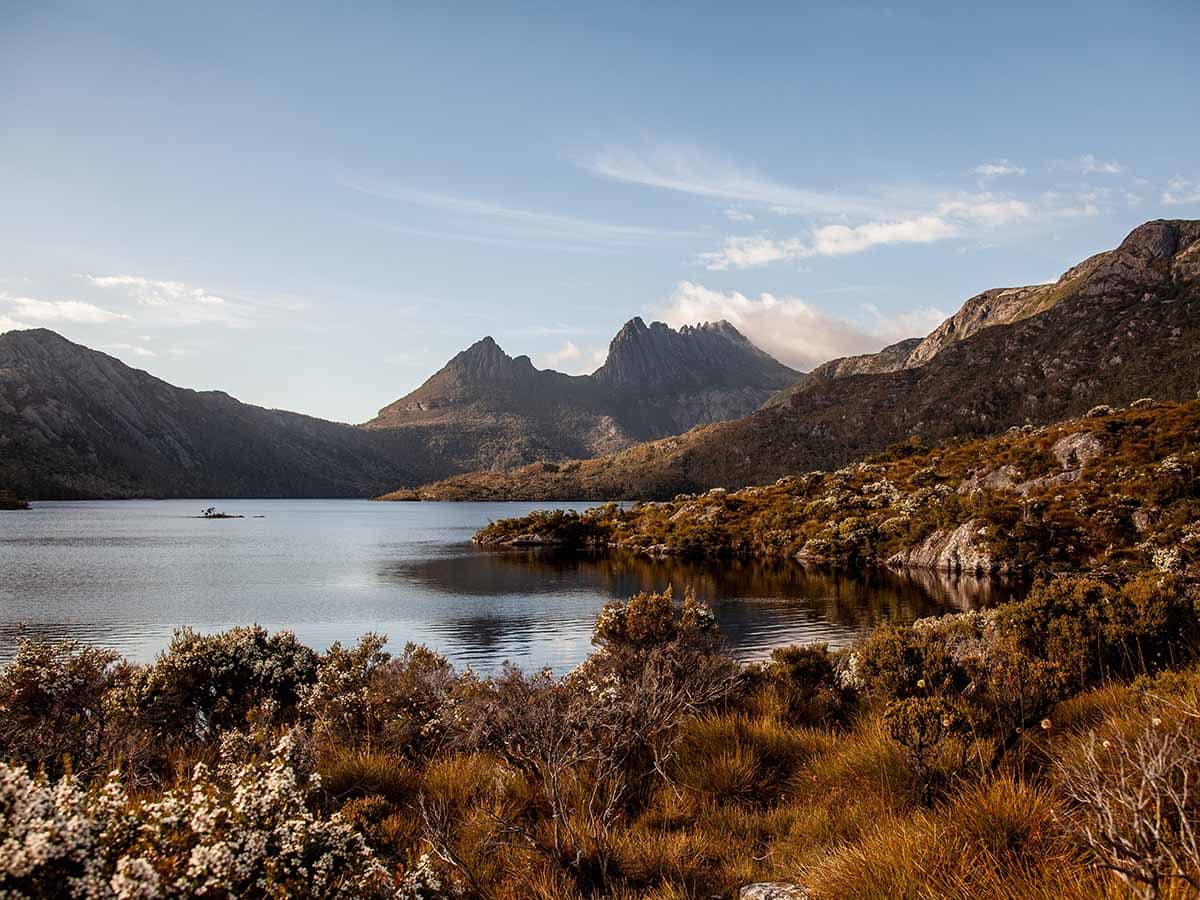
(773, 890)
(962, 550)
(1077, 450)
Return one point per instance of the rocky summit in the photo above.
(486, 409)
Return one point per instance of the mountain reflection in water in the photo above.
(126, 574)
(759, 605)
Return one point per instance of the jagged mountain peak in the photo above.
(712, 354)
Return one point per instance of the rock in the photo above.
(959, 551)
(1143, 403)
(1002, 479)
(1146, 518)
(1099, 412)
(1026, 488)
(1076, 450)
(773, 890)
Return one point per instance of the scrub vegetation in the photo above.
(1046, 748)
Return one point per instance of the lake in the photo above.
(125, 574)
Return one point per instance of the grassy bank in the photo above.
(1048, 748)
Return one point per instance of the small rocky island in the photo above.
(213, 513)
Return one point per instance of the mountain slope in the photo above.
(78, 423)
(485, 409)
(1123, 325)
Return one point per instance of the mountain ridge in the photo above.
(655, 381)
(78, 423)
(1121, 325)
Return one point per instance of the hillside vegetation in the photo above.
(1117, 489)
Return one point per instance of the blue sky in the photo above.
(313, 206)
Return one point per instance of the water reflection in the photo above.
(759, 605)
(125, 575)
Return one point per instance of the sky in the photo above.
(313, 206)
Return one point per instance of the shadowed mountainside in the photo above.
(77, 423)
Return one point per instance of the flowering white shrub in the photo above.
(245, 832)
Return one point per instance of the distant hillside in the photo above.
(1122, 325)
(76, 423)
(487, 410)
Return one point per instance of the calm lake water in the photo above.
(125, 574)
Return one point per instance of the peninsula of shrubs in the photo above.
(1116, 490)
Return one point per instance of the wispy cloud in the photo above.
(1090, 164)
(691, 171)
(996, 169)
(539, 223)
(738, 215)
(135, 349)
(174, 300)
(1080, 205)
(53, 311)
(947, 221)
(1181, 191)
(791, 329)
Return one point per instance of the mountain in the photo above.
(1123, 325)
(77, 423)
(486, 409)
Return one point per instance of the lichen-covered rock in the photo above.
(1077, 449)
(773, 890)
(1002, 479)
(962, 550)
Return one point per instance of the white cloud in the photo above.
(43, 311)
(567, 352)
(7, 324)
(984, 209)
(1084, 205)
(690, 171)
(839, 240)
(179, 302)
(1089, 164)
(948, 220)
(1181, 191)
(569, 358)
(996, 169)
(791, 329)
(734, 214)
(756, 250)
(827, 240)
(528, 221)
